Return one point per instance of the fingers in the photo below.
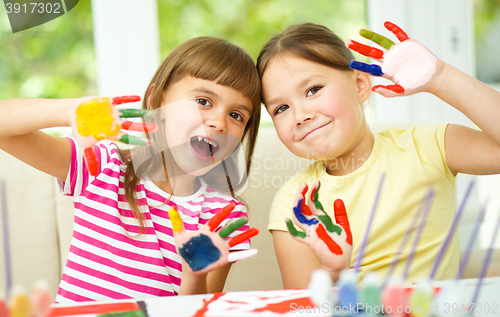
(324, 218)
(220, 216)
(230, 228)
(243, 236)
(365, 49)
(372, 69)
(297, 211)
(315, 197)
(389, 90)
(401, 35)
(341, 218)
(139, 126)
(332, 245)
(129, 139)
(305, 209)
(241, 255)
(175, 219)
(294, 232)
(125, 99)
(91, 161)
(132, 113)
(377, 38)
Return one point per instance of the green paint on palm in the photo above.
(294, 232)
(377, 38)
(224, 233)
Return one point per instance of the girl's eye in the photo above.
(312, 91)
(203, 102)
(281, 109)
(236, 116)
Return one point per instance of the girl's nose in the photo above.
(216, 124)
(302, 115)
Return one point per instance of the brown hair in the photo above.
(312, 42)
(206, 58)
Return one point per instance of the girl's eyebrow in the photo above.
(205, 90)
(244, 108)
(272, 101)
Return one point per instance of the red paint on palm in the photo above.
(366, 50)
(401, 35)
(323, 235)
(220, 215)
(341, 218)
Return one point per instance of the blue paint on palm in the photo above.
(200, 252)
(297, 210)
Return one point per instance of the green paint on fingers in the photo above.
(315, 199)
(377, 38)
(224, 233)
(329, 225)
(294, 232)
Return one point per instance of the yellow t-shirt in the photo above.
(413, 160)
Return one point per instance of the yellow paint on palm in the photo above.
(95, 118)
(175, 219)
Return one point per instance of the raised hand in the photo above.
(98, 119)
(206, 250)
(331, 243)
(408, 64)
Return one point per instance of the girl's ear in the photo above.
(364, 84)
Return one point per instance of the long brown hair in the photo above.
(312, 42)
(206, 58)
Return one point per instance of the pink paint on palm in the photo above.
(410, 64)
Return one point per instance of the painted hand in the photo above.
(331, 243)
(98, 119)
(206, 250)
(408, 64)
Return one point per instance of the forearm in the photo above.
(479, 102)
(193, 283)
(22, 116)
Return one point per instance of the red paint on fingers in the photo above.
(396, 88)
(402, 36)
(341, 219)
(365, 50)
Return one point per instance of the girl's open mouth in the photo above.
(205, 148)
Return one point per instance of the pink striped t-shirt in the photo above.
(104, 262)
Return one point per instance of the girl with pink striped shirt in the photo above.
(205, 98)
